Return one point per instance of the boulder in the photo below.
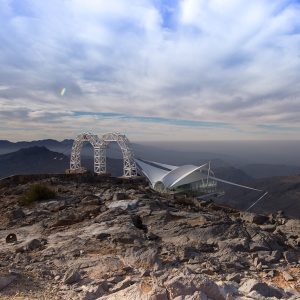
(287, 276)
(65, 220)
(71, 276)
(258, 246)
(254, 218)
(237, 244)
(270, 257)
(188, 285)
(103, 236)
(141, 257)
(17, 214)
(33, 244)
(138, 292)
(119, 196)
(123, 204)
(261, 288)
(5, 281)
(236, 277)
(92, 292)
(11, 238)
(290, 257)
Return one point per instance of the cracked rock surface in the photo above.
(111, 238)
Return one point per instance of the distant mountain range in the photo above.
(39, 159)
(31, 161)
(53, 145)
(169, 156)
(269, 170)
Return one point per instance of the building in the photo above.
(186, 179)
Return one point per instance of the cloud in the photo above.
(232, 62)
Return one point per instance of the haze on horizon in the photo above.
(156, 70)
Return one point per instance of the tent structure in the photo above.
(186, 178)
(196, 180)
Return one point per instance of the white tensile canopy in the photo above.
(174, 176)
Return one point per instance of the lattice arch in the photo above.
(100, 145)
(129, 166)
(75, 162)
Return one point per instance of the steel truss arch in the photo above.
(75, 162)
(100, 146)
(129, 166)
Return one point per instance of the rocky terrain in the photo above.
(107, 238)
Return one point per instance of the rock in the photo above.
(188, 285)
(268, 227)
(236, 277)
(141, 257)
(270, 257)
(237, 244)
(158, 294)
(71, 276)
(65, 220)
(254, 218)
(11, 238)
(259, 244)
(138, 292)
(123, 204)
(119, 196)
(256, 261)
(103, 236)
(138, 223)
(33, 245)
(271, 274)
(124, 238)
(152, 237)
(122, 285)
(14, 272)
(287, 276)
(17, 214)
(292, 294)
(290, 257)
(5, 281)
(144, 247)
(261, 288)
(93, 292)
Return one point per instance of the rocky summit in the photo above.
(111, 238)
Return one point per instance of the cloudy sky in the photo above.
(154, 69)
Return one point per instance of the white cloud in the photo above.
(230, 61)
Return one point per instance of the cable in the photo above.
(257, 201)
(235, 184)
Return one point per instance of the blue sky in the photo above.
(156, 70)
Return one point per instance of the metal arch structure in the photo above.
(129, 166)
(75, 162)
(100, 145)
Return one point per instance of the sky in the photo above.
(155, 70)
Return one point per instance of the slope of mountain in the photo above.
(269, 170)
(283, 194)
(31, 161)
(39, 159)
(53, 145)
